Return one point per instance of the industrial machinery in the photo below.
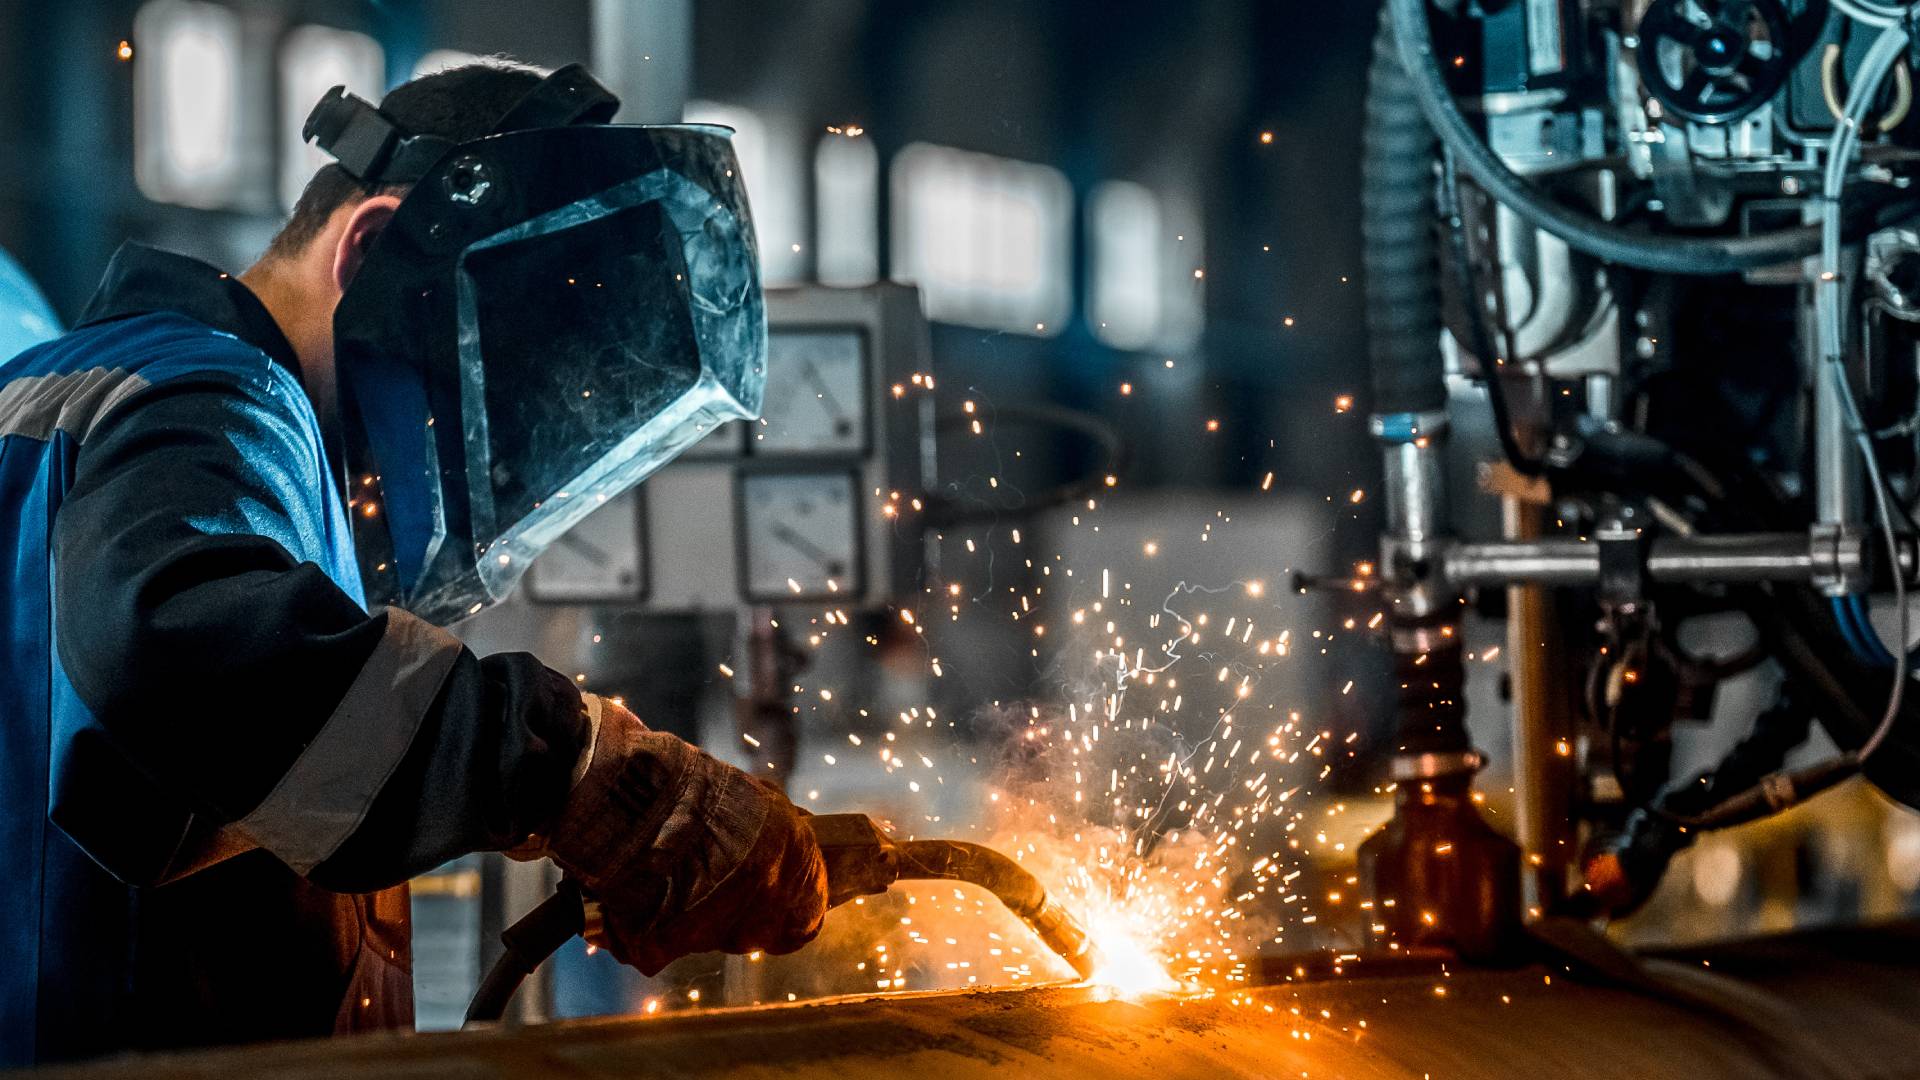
(1669, 248)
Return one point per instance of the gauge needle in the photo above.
(583, 548)
(801, 544)
(820, 387)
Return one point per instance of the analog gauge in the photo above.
(801, 536)
(816, 393)
(599, 560)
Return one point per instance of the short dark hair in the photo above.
(459, 103)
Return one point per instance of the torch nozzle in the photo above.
(862, 860)
(1063, 934)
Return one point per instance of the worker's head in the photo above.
(315, 255)
(516, 309)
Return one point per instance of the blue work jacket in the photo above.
(216, 766)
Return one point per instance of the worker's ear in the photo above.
(364, 226)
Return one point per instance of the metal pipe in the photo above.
(1542, 780)
(1817, 557)
(1416, 499)
(1837, 490)
(1415, 492)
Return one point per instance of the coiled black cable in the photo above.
(1582, 231)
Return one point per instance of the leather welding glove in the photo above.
(683, 852)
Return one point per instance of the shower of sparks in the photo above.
(1161, 787)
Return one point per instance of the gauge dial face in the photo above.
(801, 536)
(816, 393)
(600, 560)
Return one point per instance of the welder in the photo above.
(236, 514)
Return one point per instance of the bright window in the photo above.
(313, 60)
(1146, 280)
(1128, 266)
(846, 210)
(987, 239)
(771, 160)
(186, 130)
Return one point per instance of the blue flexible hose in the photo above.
(1844, 617)
(1868, 635)
(1856, 629)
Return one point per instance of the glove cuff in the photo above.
(618, 807)
(655, 824)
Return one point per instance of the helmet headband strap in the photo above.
(373, 149)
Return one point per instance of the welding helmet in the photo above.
(554, 312)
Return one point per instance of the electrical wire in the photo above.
(1868, 636)
(1870, 13)
(946, 511)
(1606, 241)
(1850, 616)
(1782, 789)
(1845, 143)
(1897, 110)
(1849, 636)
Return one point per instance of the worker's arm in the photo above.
(195, 624)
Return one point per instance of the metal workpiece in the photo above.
(1819, 557)
(1826, 1004)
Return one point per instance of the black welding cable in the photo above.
(1460, 255)
(1582, 231)
(528, 942)
(944, 511)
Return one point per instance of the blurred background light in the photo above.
(988, 239)
(846, 200)
(313, 60)
(186, 110)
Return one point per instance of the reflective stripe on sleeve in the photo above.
(38, 405)
(331, 786)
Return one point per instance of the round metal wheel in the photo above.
(1714, 61)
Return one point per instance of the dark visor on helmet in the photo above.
(551, 315)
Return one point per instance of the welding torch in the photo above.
(861, 860)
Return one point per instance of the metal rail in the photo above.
(1818, 557)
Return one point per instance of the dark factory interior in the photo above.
(729, 538)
